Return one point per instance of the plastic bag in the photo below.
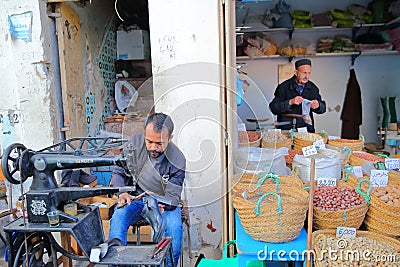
(255, 159)
(327, 164)
(225, 261)
(125, 95)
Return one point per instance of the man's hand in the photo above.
(125, 199)
(296, 101)
(314, 104)
(161, 208)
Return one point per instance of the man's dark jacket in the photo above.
(288, 90)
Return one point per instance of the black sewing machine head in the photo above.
(18, 163)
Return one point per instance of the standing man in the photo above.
(161, 170)
(298, 95)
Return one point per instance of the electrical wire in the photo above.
(116, 10)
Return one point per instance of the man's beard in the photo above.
(154, 153)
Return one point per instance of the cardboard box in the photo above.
(133, 45)
(106, 205)
(145, 233)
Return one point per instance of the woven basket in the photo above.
(276, 140)
(273, 218)
(354, 145)
(251, 181)
(358, 158)
(325, 240)
(305, 139)
(352, 217)
(256, 143)
(382, 217)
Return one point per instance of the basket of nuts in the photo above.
(249, 138)
(276, 140)
(336, 206)
(366, 249)
(383, 215)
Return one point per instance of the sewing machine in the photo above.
(19, 163)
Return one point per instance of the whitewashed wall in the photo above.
(185, 55)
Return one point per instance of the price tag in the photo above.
(302, 130)
(379, 178)
(333, 137)
(309, 150)
(343, 232)
(319, 144)
(274, 130)
(392, 164)
(357, 171)
(328, 181)
(241, 127)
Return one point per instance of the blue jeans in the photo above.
(124, 217)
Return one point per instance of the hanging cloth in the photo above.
(352, 109)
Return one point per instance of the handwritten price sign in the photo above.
(392, 164)
(357, 171)
(319, 144)
(309, 151)
(379, 178)
(302, 130)
(328, 181)
(343, 232)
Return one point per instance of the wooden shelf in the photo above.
(364, 53)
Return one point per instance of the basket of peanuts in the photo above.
(249, 138)
(339, 205)
(365, 249)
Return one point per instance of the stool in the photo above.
(136, 229)
(249, 248)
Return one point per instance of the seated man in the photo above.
(161, 170)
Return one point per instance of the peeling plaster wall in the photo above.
(27, 80)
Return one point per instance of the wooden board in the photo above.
(70, 53)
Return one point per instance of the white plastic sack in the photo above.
(255, 159)
(327, 164)
(125, 95)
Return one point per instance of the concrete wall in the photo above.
(377, 75)
(186, 54)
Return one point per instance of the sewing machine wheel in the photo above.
(13, 161)
(36, 252)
